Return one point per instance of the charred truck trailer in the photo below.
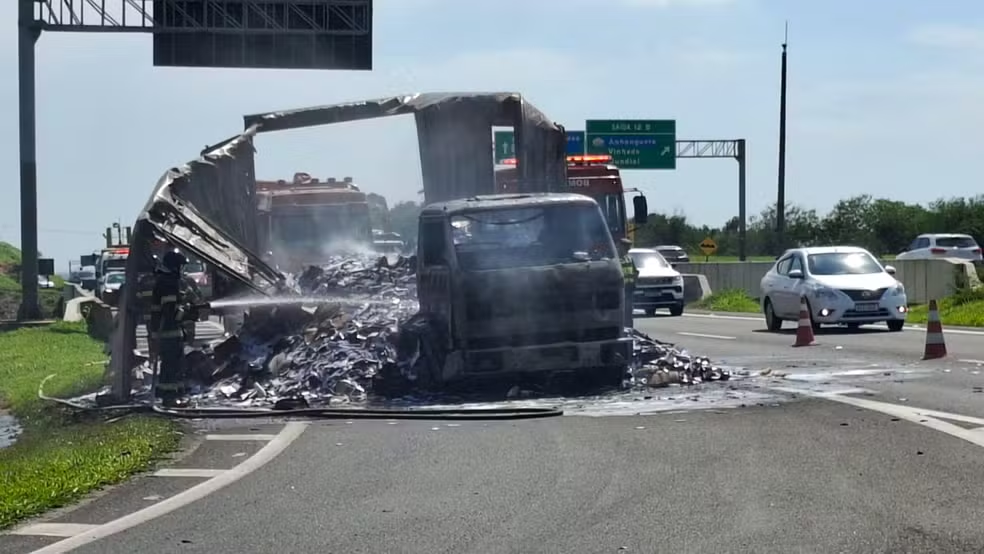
(518, 284)
(304, 221)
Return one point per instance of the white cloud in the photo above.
(948, 36)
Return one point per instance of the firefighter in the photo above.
(629, 274)
(167, 298)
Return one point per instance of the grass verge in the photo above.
(731, 300)
(964, 309)
(62, 456)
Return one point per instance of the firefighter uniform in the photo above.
(629, 274)
(170, 335)
(148, 312)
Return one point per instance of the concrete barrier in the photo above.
(98, 317)
(695, 287)
(923, 279)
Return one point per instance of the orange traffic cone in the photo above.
(935, 345)
(804, 332)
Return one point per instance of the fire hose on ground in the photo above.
(458, 414)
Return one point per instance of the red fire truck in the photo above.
(594, 176)
(305, 220)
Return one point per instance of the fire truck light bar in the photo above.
(583, 160)
(589, 159)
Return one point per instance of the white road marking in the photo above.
(761, 319)
(919, 416)
(705, 336)
(53, 529)
(972, 361)
(188, 472)
(251, 437)
(271, 450)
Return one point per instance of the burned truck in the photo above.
(513, 285)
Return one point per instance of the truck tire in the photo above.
(676, 311)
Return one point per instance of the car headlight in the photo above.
(678, 280)
(898, 290)
(825, 293)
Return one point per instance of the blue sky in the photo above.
(885, 97)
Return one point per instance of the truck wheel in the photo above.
(895, 325)
(676, 311)
(650, 312)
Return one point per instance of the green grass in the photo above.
(964, 309)
(62, 456)
(733, 300)
(9, 254)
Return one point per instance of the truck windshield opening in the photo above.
(530, 236)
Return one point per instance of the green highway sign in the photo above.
(633, 143)
(505, 145)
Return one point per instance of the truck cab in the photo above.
(520, 284)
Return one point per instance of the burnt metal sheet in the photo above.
(454, 136)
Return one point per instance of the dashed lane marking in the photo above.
(242, 438)
(265, 455)
(53, 529)
(971, 361)
(705, 335)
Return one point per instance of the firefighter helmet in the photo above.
(173, 261)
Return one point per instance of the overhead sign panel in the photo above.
(505, 144)
(634, 143)
(263, 34)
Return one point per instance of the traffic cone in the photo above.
(935, 345)
(804, 332)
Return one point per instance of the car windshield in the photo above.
(648, 260)
(115, 278)
(194, 267)
(843, 263)
(671, 252)
(956, 242)
(530, 236)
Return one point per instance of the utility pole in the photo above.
(27, 35)
(781, 193)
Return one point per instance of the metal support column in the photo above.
(27, 36)
(740, 156)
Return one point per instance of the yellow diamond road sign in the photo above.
(708, 246)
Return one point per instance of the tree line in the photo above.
(881, 225)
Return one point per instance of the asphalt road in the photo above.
(870, 450)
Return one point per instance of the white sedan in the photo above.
(843, 285)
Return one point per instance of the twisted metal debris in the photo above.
(331, 344)
(659, 364)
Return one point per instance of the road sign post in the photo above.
(708, 247)
(633, 143)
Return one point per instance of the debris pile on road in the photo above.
(328, 351)
(660, 364)
(328, 343)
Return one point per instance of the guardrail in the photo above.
(923, 279)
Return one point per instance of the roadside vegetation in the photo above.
(62, 456)
(10, 293)
(963, 309)
(729, 300)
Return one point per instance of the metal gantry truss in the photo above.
(290, 17)
(708, 148)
